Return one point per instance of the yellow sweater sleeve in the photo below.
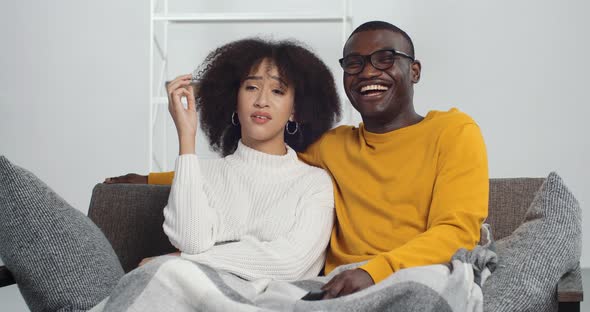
(164, 178)
(311, 155)
(458, 207)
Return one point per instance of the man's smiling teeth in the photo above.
(374, 87)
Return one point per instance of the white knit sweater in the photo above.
(252, 214)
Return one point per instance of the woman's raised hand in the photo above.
(185, 119)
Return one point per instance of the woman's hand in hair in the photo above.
(185, 119)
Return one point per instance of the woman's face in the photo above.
(265, 104)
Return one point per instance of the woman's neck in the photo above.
(275, 146)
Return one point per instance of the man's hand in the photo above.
(146, 260)
(128, 178)
(347, 282)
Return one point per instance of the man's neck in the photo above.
(401, 120)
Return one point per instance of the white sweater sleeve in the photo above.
(289, 257)
(190, 223)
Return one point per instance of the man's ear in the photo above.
(292, 117)
(416, 69)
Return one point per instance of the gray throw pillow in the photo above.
(60, 260)
(535, 256)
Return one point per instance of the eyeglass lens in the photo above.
(379, 59)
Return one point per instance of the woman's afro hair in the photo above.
(317, 106)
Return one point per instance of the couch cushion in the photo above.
(59, 258)
(535, 256)
(510, 199)
(131, 217)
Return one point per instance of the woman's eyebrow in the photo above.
(277, 78)
(253, 78)
(280, 80)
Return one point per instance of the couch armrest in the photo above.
(6, 278)
(569, 288)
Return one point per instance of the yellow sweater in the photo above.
(405, 198)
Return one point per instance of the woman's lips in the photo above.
(260, 120)
(261, 117)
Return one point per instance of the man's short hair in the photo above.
(380, 25)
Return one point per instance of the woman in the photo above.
(272, 212)
(258, 213)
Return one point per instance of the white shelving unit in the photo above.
(159, 48)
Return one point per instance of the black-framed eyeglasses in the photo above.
(382, 59)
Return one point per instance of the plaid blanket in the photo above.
(171, 283)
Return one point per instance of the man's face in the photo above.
(380, 94)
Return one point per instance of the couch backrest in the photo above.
(510, 199)
(130, 215)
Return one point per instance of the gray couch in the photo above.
(131, 218)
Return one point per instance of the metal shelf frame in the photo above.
(159, 48)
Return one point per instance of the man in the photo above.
(410, 190)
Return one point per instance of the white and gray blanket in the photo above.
(171, 283)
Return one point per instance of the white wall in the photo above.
(72, 91)
(74, 83)
(73, 80)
